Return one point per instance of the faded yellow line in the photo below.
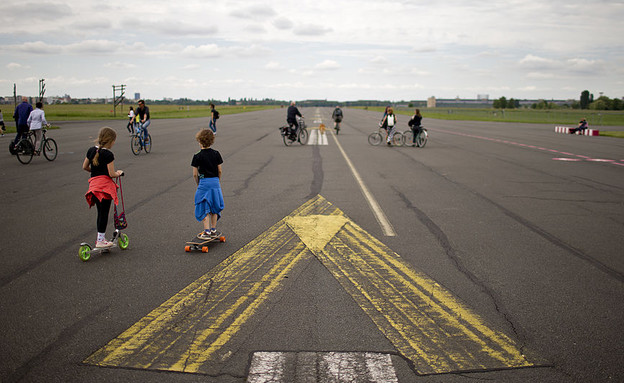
(144, 338)
(192, 331)
(447, 304)
(131, 341)
(430, 320)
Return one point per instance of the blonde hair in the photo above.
(390, 111)
(105, 140)
(205, 137)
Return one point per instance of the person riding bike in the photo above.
(143, 114)
(291, 119)
(337, 117)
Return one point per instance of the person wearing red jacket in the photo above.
(100, 162)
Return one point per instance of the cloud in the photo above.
(119, 65)
(537, 62)
(273, 66)
(11, 66)
(311, 30)
(283, 23)
(256, 11)
(327, 65)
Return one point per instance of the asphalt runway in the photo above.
(507, 239)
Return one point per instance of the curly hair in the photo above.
(205, 137)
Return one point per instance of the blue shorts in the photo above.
(208, 198)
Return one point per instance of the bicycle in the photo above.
(301, 135)
(138, 143)
(377, 137)
(337, 125)
(421, 136)
(25, 149)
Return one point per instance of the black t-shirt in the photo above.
(206, 161)
(105, 158)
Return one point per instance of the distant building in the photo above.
(431, 102)
(137, 96)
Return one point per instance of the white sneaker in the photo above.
(104, 244)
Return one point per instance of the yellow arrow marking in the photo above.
(198, 327)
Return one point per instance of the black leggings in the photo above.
(103, 208)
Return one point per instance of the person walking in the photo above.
(389, 121)
(130, 126)
(207, 171)
(214, 116)
(415, 124)
(100, 162)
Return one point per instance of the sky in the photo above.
(341, 50)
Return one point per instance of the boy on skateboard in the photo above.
(207, 172)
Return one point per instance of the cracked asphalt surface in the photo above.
(531, 244)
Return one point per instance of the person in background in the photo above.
(337, 117)
(214, 116)
(389, 121)
(36, 121)
(22, 111)
(291, 118)
(130, 126)
(2, 123)
(582, 125)
(415, 123)
(144, 118)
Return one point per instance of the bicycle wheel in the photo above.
(25, 150)
(421, 138)
(408, 137)
(398, 139)
(50, 149)
(374, 139)
(287, 139)
(303, 136)
(148, 144)
(135, 144)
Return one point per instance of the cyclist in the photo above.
(22, 111)
(291, 118)
(415, 124)
(337, 117)
(144, 118)
(36, 121)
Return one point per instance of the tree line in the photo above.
(586, 101)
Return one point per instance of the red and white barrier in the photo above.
(586, 132)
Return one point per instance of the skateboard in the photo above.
(197, 244)
(119, 240)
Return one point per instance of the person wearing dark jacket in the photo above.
(22, 111)
(291, 117)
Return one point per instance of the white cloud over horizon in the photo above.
(365, 49)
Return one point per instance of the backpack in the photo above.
(216, 114)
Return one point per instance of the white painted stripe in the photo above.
(304, 367)
(383, 221)
(380, 368)
(266, 367)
